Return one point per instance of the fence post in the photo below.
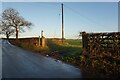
(43, 44)
(85, 41)
(39, 41)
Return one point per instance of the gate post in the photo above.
(43, 44)
(85, 41)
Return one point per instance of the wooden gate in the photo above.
(95, 43)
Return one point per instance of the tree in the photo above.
(6, 29)
(14, 20)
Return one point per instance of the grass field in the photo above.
(69, 51)
(76, 42)
(69, 47)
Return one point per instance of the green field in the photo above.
(69, 47)
(76, 42)
(69, 51)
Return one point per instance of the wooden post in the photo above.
(43, 44)
(84, 41)
(62, 24)
(41, 33)
(39, 41)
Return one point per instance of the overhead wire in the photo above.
(78, 13)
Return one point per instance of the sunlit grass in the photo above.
(75, 42)
(69, 47)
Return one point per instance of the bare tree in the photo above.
(16, 21)
(6, 29)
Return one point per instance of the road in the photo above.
(20, 63)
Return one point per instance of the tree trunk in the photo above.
(16, 33)
(7, 35)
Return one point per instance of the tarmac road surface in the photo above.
(20, 63)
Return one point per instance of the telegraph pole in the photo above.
(62, 24)
(41, 33)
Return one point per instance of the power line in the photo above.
(83, 16)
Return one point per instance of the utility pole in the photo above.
(41, 33)
(62, 24)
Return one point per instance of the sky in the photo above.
(78, 17)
